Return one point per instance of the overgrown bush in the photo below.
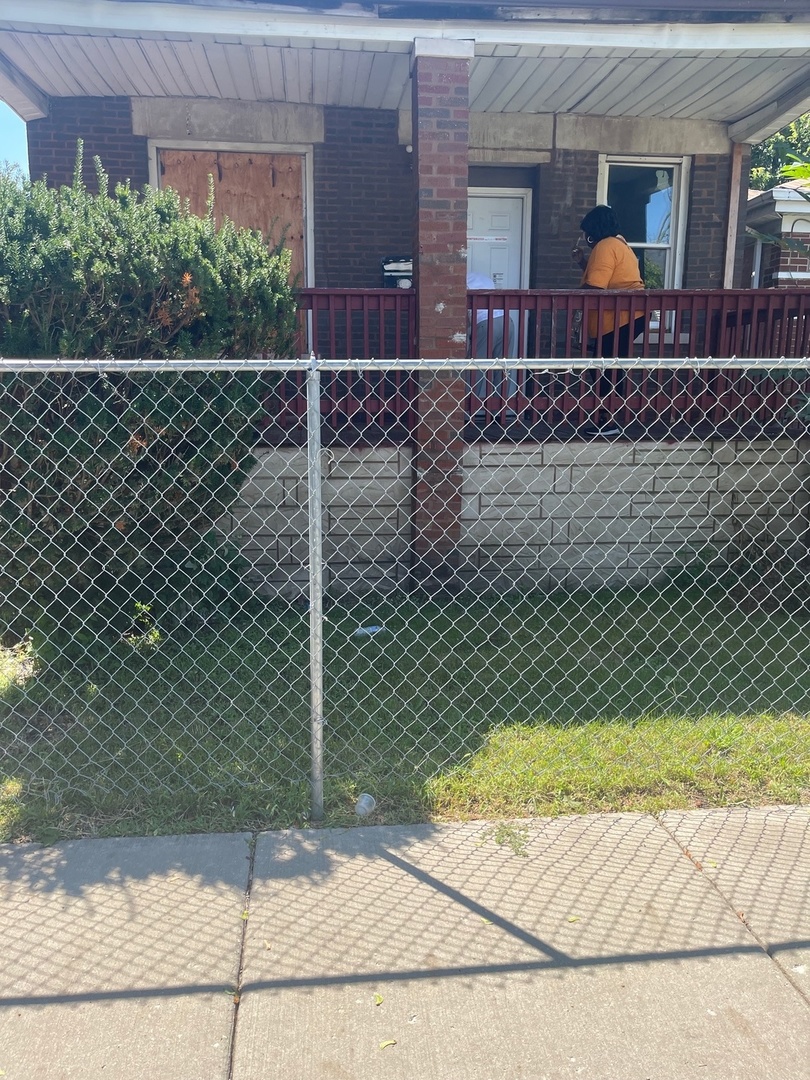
(110, 483)
(133, 274)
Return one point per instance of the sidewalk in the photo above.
(612, 947)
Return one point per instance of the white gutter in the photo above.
(57, 16)
(779, 201)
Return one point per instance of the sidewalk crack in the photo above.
(237, 994)
(741, 915)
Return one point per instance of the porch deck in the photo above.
(655, 401)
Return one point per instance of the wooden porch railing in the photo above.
(344, 324)
(673, 324)
(668, 325)
(530, 403)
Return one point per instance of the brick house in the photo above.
(778, 254)
(451, 137)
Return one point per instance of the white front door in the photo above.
(497, 235)
(498, 221)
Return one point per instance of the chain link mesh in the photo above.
(547, 590)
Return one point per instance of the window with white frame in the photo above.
(649, 197)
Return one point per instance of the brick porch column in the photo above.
(440, 71)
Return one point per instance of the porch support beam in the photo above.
(733, 226)
(440, 80)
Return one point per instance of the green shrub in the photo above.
(110, 483)
(134, 274)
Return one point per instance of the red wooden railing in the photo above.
(345, 324)
(672, 325)
(654, 402)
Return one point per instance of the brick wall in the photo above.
(792, 262)
(440, 97)
(567, 191)
(441, 117)
(105, 125)
(364, 192)
(771, 254)
(363, 198)
(776, 263)
(708, 208)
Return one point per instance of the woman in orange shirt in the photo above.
(609, 264)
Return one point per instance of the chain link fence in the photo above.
(238, 594)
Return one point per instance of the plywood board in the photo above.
(256, 191)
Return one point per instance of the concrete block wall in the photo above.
(366, 497)
(571, 515)
(559, 515)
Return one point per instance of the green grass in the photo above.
(468, 707)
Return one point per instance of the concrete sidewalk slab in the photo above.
(760, 860)
(116, 957)
(584, 947)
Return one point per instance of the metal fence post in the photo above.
(314, 487)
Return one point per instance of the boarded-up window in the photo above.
(256, 191)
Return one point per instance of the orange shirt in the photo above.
(612, 264)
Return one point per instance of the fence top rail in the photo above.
(110, 364)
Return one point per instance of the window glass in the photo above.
(641, 195)
(645, 196)
(653, 264)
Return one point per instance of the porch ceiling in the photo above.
(546, 69)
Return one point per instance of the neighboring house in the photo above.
(453, 136)
(778, 252)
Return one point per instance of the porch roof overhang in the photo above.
(751, 76)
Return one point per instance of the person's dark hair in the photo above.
(599, 223)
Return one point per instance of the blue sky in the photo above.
(13, 145)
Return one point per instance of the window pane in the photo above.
(653, 264)
(641, 195)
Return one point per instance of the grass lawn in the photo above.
(469, 707)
